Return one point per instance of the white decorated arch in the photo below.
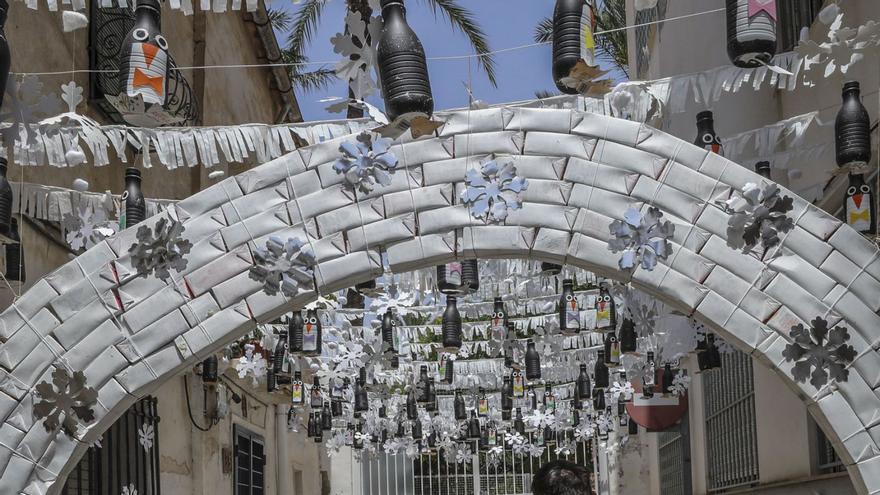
(129, 334)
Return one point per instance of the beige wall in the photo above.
(191, 460)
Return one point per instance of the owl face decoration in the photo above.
(311, 331)
(605, 312)
(859, 205)
(145, 55)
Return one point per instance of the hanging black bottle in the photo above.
(483, 403)
(612, 350)
(474, 427)
(606, 310)
(506, 398)
(508, 346)
(135, 206)
(449, 278)
(423, 384)
(312, 333)
(568, 39)
(622, 417)
(582, 385)
(458, 407)
(361, 402)
(281, 359)
(470, 275)
(852, 129)
(209, 370)
(431, 405)
(415, 430)
(533, 362)
(357, 440)
(649, 379)
(629, 340)
(519, 384)
(144, 58)
(403, 68)
(316, 398)
(763, 169)
(600, 371)
(5, 199)
(533, 398)
(336, 399)
(706, 137)
(598, 399)
(451, 324)
(446, 368)
(499, 321)
(312, 426)
(326, 417)
(751, 32)
(15, 271)
(412, 411)
(519, 425)
(712, 351)
(295, 331)
(633, 427)
(297, 390)
(859, 205)
(5, 55)
(549, 399)
(389, 328)
(569, 312)
(271, 383)
(668, 376)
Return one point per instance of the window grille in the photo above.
(674, 461)
(828, 461)
(250, 461)
(731, 439)
(121, 460)
(107, 29)
(794, 15)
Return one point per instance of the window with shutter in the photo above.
(250, 461)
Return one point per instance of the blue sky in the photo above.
(507, 23)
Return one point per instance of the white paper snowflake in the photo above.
(146, 435)
(86, 227)
(758, 213)
(251, 364)
(358, 49)
(819, 353)
(604, 422)
(463, 454)
(566, 448)
(23, 106)
(366, 162)
(844, 47)
(283, 265)
(641, 238)
(680, 384)
(493, 191)
(535, 450)
(539, 419)
(394, 299)
(624, 389)
(583, 431)
(66, 402)
(160, 251)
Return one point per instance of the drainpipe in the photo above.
(291, 111)
(282, 456)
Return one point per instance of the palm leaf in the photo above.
(315, 80)
(305, 23)
(280, 20)
(611, 47)
(544, 30)
(464, 20)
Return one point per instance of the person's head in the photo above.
(561, 478)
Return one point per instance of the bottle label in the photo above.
(483, 408)
(122, 221)
(310, 338)
(603, 315)
(316, 400)
(614, 356)
(285, 361)
(441, 366)
(296, 396)
(453, 273)
(519, 387)
(572, 315)
(550, 405)
(493, 437)
(498, 329)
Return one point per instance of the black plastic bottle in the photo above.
(423, 384)
(450, 278)
(135, 207)
(533, 362)
(451, 324)
(852, 129)
(412, 411)
(628, 337)
(312, 333)
(763, 169)
(706, 136)
(612, 350)
(326, 417)
(361, 401)
(316, 401)
(458, 407)
(295, 331)
(281, 359)
(518, 424)
(144, 58)
(506, 398)
(668, 376)
(470, 275)
(712, 351)
(600, 371)
(569, 312)
(297, 390)
(389, 327)
(15, 255)
(582, 385)
(859, 207)
(271, 384)
(431, 405)
(751, 36)
(499, 320)
(568, 39)
(5, 200)
(650, 378)
(403, 67)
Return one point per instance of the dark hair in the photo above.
(561, 478)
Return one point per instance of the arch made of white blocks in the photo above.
(129, 334)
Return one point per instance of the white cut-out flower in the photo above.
(85, 227)
(493, 191)
(146, 435)
(357, 48)
(160, 250)
(366, 162)
(283, 265)
(253, 365)
(819, 353)
(641, 238)
(624, 389)
(680, 385)
(758, 213)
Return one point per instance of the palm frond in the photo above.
(465, 21)
(305, 23)
(544, 30)
(316, 80)
(280, 20)
(544, 93)
(611, 47)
